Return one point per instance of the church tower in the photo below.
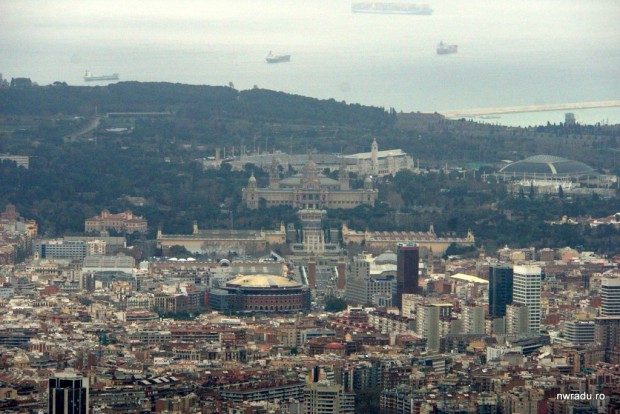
(374, 157)
(274, 175)
(250, 196)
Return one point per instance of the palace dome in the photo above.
(310, 166)
(548, 165)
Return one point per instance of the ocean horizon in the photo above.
(509, 53)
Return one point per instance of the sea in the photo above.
(510, 52)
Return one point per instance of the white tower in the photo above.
(610, 296)
(374, 157)
(526, 291)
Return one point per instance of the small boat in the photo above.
(88, 77)
(446, 49)
(273, 58)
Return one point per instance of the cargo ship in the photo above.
(272, 58)
(379, 7)
(446, 49)
(89, 77)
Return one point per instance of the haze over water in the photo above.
(510, 52)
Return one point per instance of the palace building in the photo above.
(379, 163)
(382, 240)
(376, 163)
(309, 190)
(222, 242)
(122, 222)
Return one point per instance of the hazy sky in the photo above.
(510, 52)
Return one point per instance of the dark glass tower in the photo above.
(500, 288)
(407, 267)
(68, 394)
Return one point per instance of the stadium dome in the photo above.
(387, 257)
(547, 165)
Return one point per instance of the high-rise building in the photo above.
(517, 319)
(473, 319)
(610, 296)
(407, 268)
(580, 331)
(68, 394)
(500, 288)
(607, 334)
(433, 323)
(431, 331)
(526, 291)
(369, 282)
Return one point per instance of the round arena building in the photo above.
(261, 293)
(547, 166)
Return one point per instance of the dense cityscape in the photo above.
(312, 316)
(309, 207)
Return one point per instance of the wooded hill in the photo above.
(72, 178)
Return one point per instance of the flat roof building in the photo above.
(610, 296)
(526, 291)
(407, 271)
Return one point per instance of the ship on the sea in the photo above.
(446, 49)
(273, 58)
(381, 7)
(89, 77)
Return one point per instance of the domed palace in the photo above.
(260, 293)
(309, 190)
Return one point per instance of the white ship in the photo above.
(273, 58)
(446, 49)
(89, 77)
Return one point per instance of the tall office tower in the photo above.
(500, 288)
(610, 296)
(429, 326)
(68, 394)
(579, 331)
(369, 283)
(526, 291)
(407, 267)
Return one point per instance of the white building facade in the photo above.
(526, 291)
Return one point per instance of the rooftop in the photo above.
(548, 165)
(263, 281)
